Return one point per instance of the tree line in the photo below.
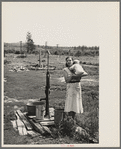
(31, 48)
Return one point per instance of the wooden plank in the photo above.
(24, 120)
(33, 133)
(47, 123)
(14, 124)
(31, 116)
(47, 130)
(37, 126)
(20, 126)
(44, 120)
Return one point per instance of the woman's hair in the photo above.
(66, 60)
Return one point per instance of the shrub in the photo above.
(9, 51)
(6, 62)
(17, 52)
(35, 52)
(78, 53)
(67, 127)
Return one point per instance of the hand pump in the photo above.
(47, 88)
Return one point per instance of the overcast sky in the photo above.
(63, 23)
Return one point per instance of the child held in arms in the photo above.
(77, 69)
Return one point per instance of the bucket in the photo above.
(31, 107)
(59, 115)
(40, 112)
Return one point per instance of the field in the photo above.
(21, 86)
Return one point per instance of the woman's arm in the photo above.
(67, 77)
(76, 76)
(79, 76)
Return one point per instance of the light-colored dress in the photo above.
(73, 100)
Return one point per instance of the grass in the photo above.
(31, 85)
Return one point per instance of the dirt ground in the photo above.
(24, 85)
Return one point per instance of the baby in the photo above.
(76, 68)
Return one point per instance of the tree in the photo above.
(29, 44)
(78, 53)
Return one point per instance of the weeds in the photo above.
(7, 62)
(68, 127)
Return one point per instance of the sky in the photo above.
(62, 23)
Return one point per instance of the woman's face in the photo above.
(69, 62)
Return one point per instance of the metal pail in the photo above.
(31, 107)
(59, 115)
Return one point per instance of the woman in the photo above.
(73, 103)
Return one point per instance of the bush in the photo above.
(21, 56)
(35, 52)
(6, 62)
(17, 52)
(78, 53)
(67, 126)
(9, 51)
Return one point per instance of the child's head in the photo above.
(76, 62)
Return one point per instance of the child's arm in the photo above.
(80, 73)
(72, 69)
(78, 76)
(84, 74)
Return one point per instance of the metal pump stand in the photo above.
(47, 88)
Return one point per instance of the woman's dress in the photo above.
(73, 100)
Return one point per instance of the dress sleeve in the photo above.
(67, 76)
